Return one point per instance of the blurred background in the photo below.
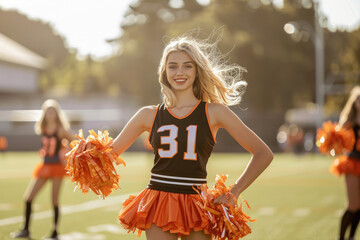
(99, 60)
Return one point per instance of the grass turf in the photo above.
(295, 198)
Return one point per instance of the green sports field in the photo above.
(295, 198)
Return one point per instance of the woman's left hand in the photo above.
(224, 200)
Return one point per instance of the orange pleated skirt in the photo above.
(174, 212)
(345, 165)
(53, 170)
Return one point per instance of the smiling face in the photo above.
(180, 71)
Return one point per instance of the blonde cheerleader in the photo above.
(53, 128)
(197, 86)
(349, 165)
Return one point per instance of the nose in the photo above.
(179, 71)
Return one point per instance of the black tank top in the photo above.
(51, 145)
(355, 153)
(182, 147)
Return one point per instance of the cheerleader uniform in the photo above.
(350, 163)
(181, 146)
(51, 167)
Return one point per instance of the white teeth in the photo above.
(180, 80)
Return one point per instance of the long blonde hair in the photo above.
(216, 81)
(61, 119)
(348, 114)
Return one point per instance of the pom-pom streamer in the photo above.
(227, 221)
(93, 168)
(332, 139)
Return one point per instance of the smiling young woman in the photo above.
(197, 86)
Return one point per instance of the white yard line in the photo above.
(82, 236)
(112, 228)
(329, 199)
(267, 211)
(301, 212)
(339, 212)
(66, 210)
(6, 206)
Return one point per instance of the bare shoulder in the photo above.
(149, 108)
(217, 108)
(222, 116)
(147, 111)
(216, 114)
(145, 116)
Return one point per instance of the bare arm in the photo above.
(64, 134)
(222, 117)
(139, 123)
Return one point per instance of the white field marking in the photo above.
(19, 174)
(268, 211)
(339, 212)
(112, 228)
(6, 206)
(81, 236)
(36, 207)
(108, 209)
(329, 199)
(301, 212)
(70, 209)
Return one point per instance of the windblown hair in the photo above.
(61, 120)
(348, 114)
(216, 81)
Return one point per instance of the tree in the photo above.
(34, 35)
(281, 71)
(144, 26)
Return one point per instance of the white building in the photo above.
(19, 74)
(20, 100)
(19, 67)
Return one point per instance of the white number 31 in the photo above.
(173, 144)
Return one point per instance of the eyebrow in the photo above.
(184, 62)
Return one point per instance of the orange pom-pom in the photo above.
(332, 139)
(93, 168)
(227, 221)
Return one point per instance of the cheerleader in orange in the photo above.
(197, 86)
(350, 165)
(53, 128)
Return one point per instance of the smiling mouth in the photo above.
(182, 80)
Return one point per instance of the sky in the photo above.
(87, 24)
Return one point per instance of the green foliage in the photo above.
(281, 71)
(35, 35)
(76, 76)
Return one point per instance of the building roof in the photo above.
(13, 52)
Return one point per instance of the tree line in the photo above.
(280, 69)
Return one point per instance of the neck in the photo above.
(185, 100)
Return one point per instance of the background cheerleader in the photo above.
(54, 130)
(349, 165)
